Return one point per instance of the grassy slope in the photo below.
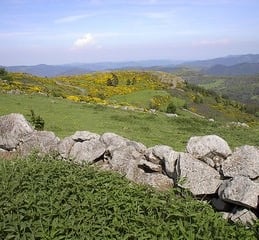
(53, 200)
(65, 117)
(139, 98)
(142, 98)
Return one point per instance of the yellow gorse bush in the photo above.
(90, 87)
(73, 98)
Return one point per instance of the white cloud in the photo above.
(84, 41)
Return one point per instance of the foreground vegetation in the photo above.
(51, 199)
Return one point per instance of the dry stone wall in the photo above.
(208, 168)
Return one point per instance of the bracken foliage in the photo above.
(50, 199)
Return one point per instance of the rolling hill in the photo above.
(233, 70)
(225, 61)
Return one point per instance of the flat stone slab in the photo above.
(240, 191)
(243, 162)
(196, 175)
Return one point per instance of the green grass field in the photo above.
(139, 98)
(65, 117)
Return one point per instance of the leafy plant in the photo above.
(171, 108)
(50, 199)
(198, 99)
(37, 121)
(113, 81)
(3, 72)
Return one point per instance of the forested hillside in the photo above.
(244, 89)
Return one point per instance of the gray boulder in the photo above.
(241, 215)
(196, 175)
(167, 156)
(113, 141)
(149, 166)
(81, 136)
(125, 160)
(211, 149)
(42, 142)
(155, 180)
(87, 151)
(244, 162)
(132, 164)
(240, 191)
(141, 148)
(82, 147)
(151, 157)
(65, 146)
(13, 128)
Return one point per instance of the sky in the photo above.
(84, 31)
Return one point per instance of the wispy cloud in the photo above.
(156, 15)
(216, 42)
(74, 18)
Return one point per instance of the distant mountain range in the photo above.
(226, 66)
(80, 68)
(230, 65)
(225, 61)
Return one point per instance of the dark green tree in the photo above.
(171, 108)
(3, 71)
(128, 82)
(109, 82)
(113, 81)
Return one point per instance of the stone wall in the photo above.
(208, 167)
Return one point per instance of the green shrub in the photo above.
(37, 121)
(198, 99)
(113, 81)
(171, 108)
(154, 104)
(3, 71)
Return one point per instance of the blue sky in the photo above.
(67, 31)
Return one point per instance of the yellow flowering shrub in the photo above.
(91, 87)
(73, 98)
(35, 89)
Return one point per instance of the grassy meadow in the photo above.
(64, 117)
